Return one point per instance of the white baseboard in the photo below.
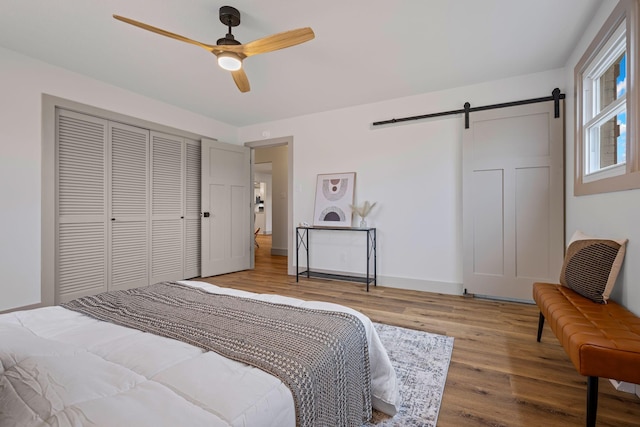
(448, 288)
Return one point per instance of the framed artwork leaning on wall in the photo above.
(334, 195)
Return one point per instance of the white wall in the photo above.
(412, 170)
(22, 83)
(609, 215)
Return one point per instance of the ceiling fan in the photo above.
(228, 50)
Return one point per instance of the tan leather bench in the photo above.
(602, 340)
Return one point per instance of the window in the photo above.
(606, 146)
(604, 110)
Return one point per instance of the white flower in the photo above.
(363, 210)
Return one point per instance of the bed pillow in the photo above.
(591, 266)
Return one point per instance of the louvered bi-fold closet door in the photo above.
(129, 219)
(81, 209)
(167, 212)
(192, 210)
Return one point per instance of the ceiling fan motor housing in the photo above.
(230, 16)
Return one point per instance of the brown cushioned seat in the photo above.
(602, 340)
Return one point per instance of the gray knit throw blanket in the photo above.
(322, 356)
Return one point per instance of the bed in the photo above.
(60, 367)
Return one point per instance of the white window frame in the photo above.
(594, 115)
(619, 33)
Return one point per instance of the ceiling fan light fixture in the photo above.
(229, 61)
(229, 52)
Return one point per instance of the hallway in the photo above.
(264, 260)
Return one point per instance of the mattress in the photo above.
(59, 367)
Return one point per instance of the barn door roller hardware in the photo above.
(556, 96)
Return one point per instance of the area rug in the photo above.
(421, 361)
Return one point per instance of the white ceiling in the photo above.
(365, 50)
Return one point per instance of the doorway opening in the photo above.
(272, 172)
(263, 198)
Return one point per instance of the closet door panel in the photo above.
(129, 256)
(192, 209)
(129, 166)
(82, 268)
(166, 264)
(167, 211)
(166, 186)
(81, 209)
(129, 224)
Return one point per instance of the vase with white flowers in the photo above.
(363, 211)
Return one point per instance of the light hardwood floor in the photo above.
(499, 375)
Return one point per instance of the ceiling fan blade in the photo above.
(278, 41)
(241, 80)
(162, 32)
(235, 48)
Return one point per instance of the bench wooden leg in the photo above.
(540, 325)
(592, 401)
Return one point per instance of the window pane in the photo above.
(613, 141)
(613, 82)
(621, 155)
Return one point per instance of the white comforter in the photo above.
(62, 368)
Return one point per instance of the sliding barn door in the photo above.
(513, 209)
(226, 186)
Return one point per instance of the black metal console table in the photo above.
(302, 240)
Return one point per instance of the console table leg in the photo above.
(368, 259)
(307, 248)
(375, 258)
(297, 254)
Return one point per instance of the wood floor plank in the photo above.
(499, 374)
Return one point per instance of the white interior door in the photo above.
(513, 207)
(226, 191)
